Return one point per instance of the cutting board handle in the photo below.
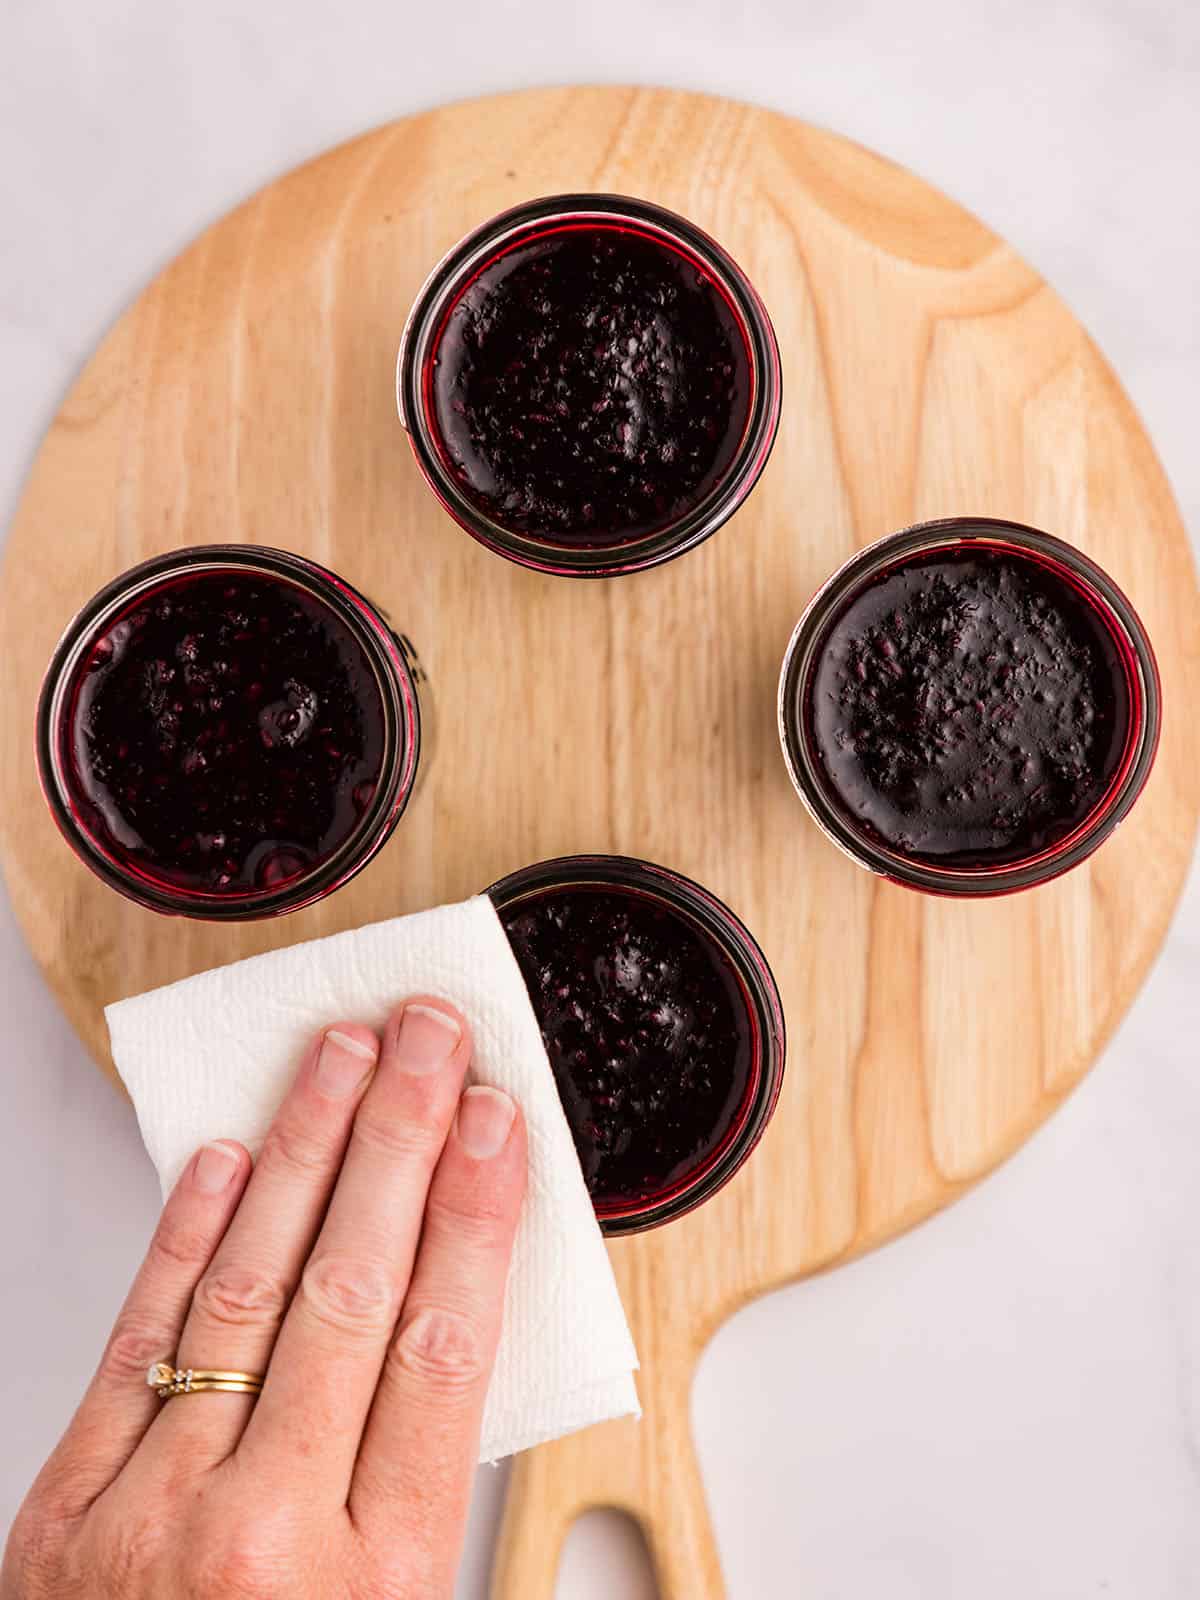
(648, 1470)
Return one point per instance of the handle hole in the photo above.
(605, 1557)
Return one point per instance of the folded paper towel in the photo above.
(211, 1057)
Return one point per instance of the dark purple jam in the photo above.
(647, 1032)
(227, 734)
(969, 707)
(591, 385)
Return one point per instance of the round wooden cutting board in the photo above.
(248, 395)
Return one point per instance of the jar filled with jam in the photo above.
(662, 1023)
(228, 731)
(590, 384)
(969, 707)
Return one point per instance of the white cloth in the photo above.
(211, 1057)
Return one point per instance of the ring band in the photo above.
(167, 1380)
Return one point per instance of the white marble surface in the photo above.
(1007, 1402)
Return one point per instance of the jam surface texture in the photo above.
(227, 733)
(647, 1032)
(968, 707)
(591, 385)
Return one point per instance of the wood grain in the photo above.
(247, 394)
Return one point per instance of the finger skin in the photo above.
(419, 1451)
(119, 1406)
(240, 1301)
(335, 1337)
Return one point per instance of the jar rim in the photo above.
(760, 994)
(385, 654)
(502, 232)
(1097, 590)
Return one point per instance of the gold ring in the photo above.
(167, 1380)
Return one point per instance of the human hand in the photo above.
(360, 1267)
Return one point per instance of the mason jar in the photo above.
(228, 731)
(590, 384)
(969, 707)
(662, 1022)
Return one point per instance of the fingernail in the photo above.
(215, 1168)
(484, 1119)
(344, 1063)
(426, 1039)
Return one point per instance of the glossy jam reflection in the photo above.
(646, 1027)
(227, 732)
(969, 707)
(591, 384)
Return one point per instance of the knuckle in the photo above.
(70, 1482)
(350, 1293)
(441, 1349)
(176, 1245)
(47, 1511)
(472, 1213)
(297, 1150)
(36, 1543)
(125, 1548)
(240, 1297)
(397, 1138)
(252, 1560)
(241, 1573)
(132, 1346)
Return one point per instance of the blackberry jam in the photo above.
(970, 707)
(228, 731)
(661, 1022)
(590, 384)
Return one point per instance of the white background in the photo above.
(1007, 1402)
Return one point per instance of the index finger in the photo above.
(326, 1362)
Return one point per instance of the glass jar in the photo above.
(969, 707)
(629, 966)
(228, 732)
(684, 371)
